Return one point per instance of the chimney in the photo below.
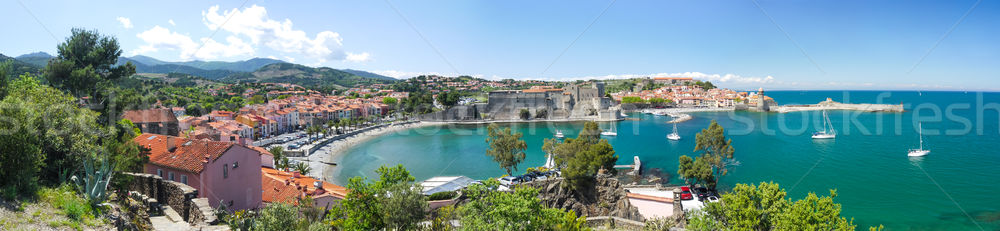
(295, 174)
(171, 145)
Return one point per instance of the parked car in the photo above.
(510, 180)
(712, 199)
(293, 146)
(701, 192)
(686, 193)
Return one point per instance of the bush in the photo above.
(66, 199)
(442, 196)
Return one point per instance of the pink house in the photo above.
(223, 172)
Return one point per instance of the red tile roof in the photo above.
(281, 186)
(187, 154)
(161, 115)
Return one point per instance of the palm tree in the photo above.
(302, 168)
(280, 160)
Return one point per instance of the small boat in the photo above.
(612, 132)
(920, 151)
(623, 114)
(660, 113)
(828, 132)
(559, 134)
(674, 136)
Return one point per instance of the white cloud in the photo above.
(362, 57)
(254, 23)
(162, 38)
(171, 21)
(126, 22)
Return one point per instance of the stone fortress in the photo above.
(574, 101)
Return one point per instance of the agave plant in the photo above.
(93, 183)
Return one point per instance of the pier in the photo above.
(636, 166)
(829, 104)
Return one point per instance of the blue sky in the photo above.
(820, 44)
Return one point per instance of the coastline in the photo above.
(333, 152)
(681, 114)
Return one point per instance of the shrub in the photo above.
(442, 196)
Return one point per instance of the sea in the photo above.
(955, 187)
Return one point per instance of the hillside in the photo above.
(368, 74)
(141, 67)
(305, 76)
(20, 67)
(237, 66)
(39, 59)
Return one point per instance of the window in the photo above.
(184, 179)
(236, 164)
(225, 171)
(171, 175)
(159, 172)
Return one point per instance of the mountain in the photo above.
(20, 67)
(143, 67)
(368, 74)
(39, 59)
(238, 66)
(305, 76)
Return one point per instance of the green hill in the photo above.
(19, 67)
(39, 59)
(305, 76)
(142, 67)
(368, 74)
(237, 66)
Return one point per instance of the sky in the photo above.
(845, 44)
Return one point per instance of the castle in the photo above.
(574, 101)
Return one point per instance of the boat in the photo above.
(612, 132)
(674, 136)
(559, 134)
(660, 113)
(920, 151)
(828, 131)
(623, 114)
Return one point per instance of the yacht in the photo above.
(612, 132)
(920, 151)
(559, 134)
(674, 136)
(828, 132)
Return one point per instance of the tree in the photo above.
(42, 117)
(302, 167)
(695, 171)
(716, 150)
(257, 99)
(86, 59)
(506, 148)
(521, 210)
(389, 101)
(583, 157)
(280, 159)
(281, 216)
(632, 99)
(764, 207)
(368, 205)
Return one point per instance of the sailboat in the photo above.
(559, 134)
(612, 132)
(920, 151)
(828, 132)
(674, 136)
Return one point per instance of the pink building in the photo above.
(221, 171)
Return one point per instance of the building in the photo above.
(673, 80)
(223, 172)
(290, 187)
(157, 121)
(578, 101)
(445, 184)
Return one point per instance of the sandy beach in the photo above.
(330, 153)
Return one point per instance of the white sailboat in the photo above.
(612, 132)
(828, 132)
(674, 136)
(559, 134)
(920, 151)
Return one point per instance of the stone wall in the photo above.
(455, 113)
(180, 197)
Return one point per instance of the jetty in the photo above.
(829, 104)
(636, 166)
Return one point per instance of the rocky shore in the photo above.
(608, 198)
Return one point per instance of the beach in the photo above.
(320, 160)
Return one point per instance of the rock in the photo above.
(607, 198)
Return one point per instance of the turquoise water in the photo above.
(955, 187)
